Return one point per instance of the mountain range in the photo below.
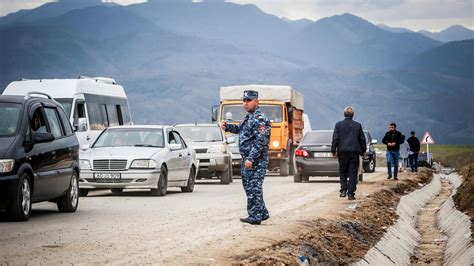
(172, 56)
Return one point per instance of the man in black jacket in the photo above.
(348, 141)
(393, 139)
(414, 144)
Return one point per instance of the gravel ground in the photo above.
(202, 227)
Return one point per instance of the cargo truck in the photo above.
(283, 105)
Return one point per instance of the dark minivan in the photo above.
(39, 155)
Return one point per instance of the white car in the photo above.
(138, 157)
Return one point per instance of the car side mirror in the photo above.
(214, 113)
(374, 141)
(82, 124)
(43, 137)
(174, 147)
(85, 147)
(230, 140)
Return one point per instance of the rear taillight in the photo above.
(301, 153)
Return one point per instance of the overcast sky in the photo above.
(433, 15)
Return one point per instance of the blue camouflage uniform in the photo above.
(254, 138)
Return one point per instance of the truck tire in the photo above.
(297, 178)
(226, 176)
(284, 168)
(290, 160)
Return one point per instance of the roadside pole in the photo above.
(427, 139)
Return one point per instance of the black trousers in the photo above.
(348, 170)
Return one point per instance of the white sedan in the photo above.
(138, 157)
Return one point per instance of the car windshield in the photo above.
(131, 137)
(236, 113)
(318, 137)
(66, 103)
(9, 113)
(201, 133)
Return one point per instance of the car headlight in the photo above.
(216, 149)
(143, 164)
(6, 166)
(276, 144)
(84, 164)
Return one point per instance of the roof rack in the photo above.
(99, 79)
(29, 95)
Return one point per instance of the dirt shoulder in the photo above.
(464, 197)
(332, 230)
(349, 234)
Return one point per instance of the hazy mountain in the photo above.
(453, 33)
(347, 41)
(47, 10)
(172, 73)
(453, 58)
(393, 29)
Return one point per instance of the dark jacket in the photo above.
(348, 137)
(394, 136)
(414, 143)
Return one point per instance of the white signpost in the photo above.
(427, 139)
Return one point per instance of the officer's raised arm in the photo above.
(231, 128)
(262, 133)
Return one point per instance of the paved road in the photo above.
(135, 227)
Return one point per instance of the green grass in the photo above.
(455, 156)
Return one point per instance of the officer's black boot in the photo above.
(343, 194)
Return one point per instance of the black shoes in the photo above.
(343, 194)
(351, 197)
(265, 218)
(247, 220)
(389, 177)
(396, 178)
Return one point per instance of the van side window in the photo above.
(54, 123)
(80, 112)
(104, 115)
(38, 123)
(119, 114)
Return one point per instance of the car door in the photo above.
(41, 156)
(61, 150)
(174, 159)
(186, 158)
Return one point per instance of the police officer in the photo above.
(254, 137)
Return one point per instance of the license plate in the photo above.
(107, 175)
(322, 154)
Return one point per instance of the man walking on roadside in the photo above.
(254, 138)
(348, 143)
(414, 143)
(393, 139)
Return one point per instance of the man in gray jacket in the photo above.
(348, 143)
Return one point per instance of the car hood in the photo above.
(5, 144)
(120, 152)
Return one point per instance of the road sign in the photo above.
(427, 139)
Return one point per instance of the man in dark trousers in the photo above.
(414, 144)
(254, 138)
(393, 139)
(348, 142)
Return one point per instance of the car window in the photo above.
(38, 123)
(65, 122)
(318, 137)
(53, 121)
(9, 113)
(130, 137)
(176, 138)
(201, 133)
(182, 140)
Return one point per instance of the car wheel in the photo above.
(116, 190)
(162, 183)
(20, 207)
(69, 202)
(284, 171)
(297, 178)
(83, 192)
(190, 186)
(226, 176)
(361, 177)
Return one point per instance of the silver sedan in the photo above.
(138, 157)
